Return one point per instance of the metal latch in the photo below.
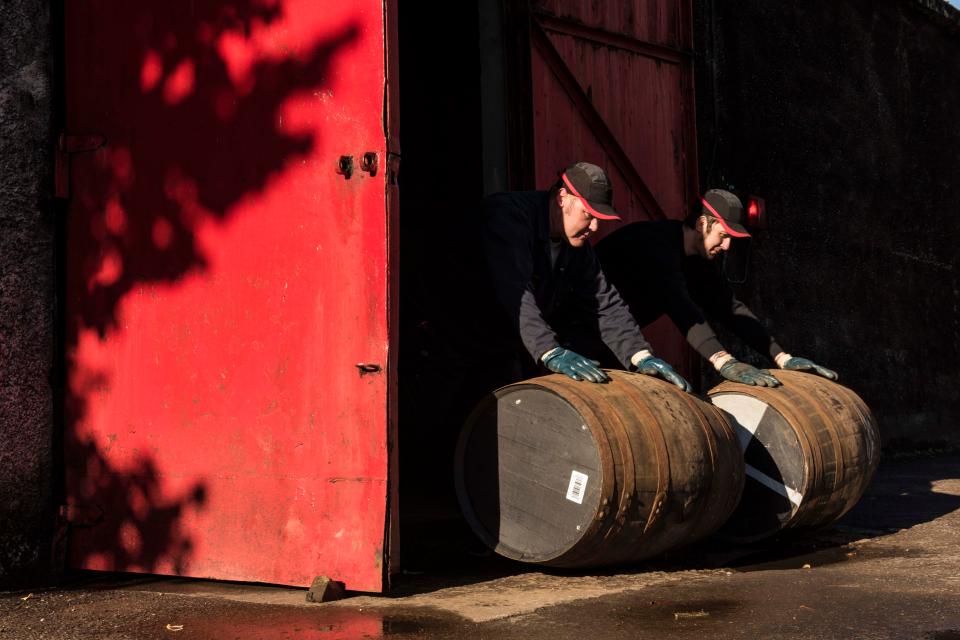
(368, 367)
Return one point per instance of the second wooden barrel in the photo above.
(575, 474)
(810, 446)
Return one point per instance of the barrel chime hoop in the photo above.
(621, 486)
(796, 414)
(609, 483)
(459, 482)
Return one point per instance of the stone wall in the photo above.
(26, 292)
(845, 116)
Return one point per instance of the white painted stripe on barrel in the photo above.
(792, 495)
(747, 412)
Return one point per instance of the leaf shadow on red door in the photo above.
(138, 527)
(191, 112)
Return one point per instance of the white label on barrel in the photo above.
(578, 484)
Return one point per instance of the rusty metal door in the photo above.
(612, 83)
(230, 297)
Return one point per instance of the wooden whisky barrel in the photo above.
(810, 447)
(574, 474)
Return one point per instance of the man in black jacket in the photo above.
(543, 286)
(666, 267)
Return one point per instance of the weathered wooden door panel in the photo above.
(650, 22)
(612, 84)
(224, 283)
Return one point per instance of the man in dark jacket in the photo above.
(548, 291)
(666, 267)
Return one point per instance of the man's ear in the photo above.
(702, 225)
(561, 192)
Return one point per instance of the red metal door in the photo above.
(612, 83)
(230, 333)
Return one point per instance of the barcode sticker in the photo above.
(577, 487)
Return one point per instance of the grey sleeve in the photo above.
(618, 329)
(721, 303)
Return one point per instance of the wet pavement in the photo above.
(889, 569)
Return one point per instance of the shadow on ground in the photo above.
(444, 553)
(903, 494)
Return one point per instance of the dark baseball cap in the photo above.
(725, 207)
(589, 183)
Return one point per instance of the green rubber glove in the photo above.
(737, 371)
(573, 364)
(656, 367)
(802, 364)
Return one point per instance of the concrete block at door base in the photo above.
(324, 589)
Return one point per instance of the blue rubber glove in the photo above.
(573, 364)
(656, 367)
(737, 371)
(802, 364)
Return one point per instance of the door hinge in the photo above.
(81, 515)
(393, 167)
(67, 145)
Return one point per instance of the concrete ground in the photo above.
(889, 569)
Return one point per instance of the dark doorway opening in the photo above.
(447, 110)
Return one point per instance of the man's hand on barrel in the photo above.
(570, 363)
(737, 371)
(792, 363)
(647, 364)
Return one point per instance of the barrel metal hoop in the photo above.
(872, 444)
(831, 425)
(650, 426)
(845, 496)
(707, 430)
(711, 437)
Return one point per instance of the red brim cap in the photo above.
(597, 210)
(732, 228)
